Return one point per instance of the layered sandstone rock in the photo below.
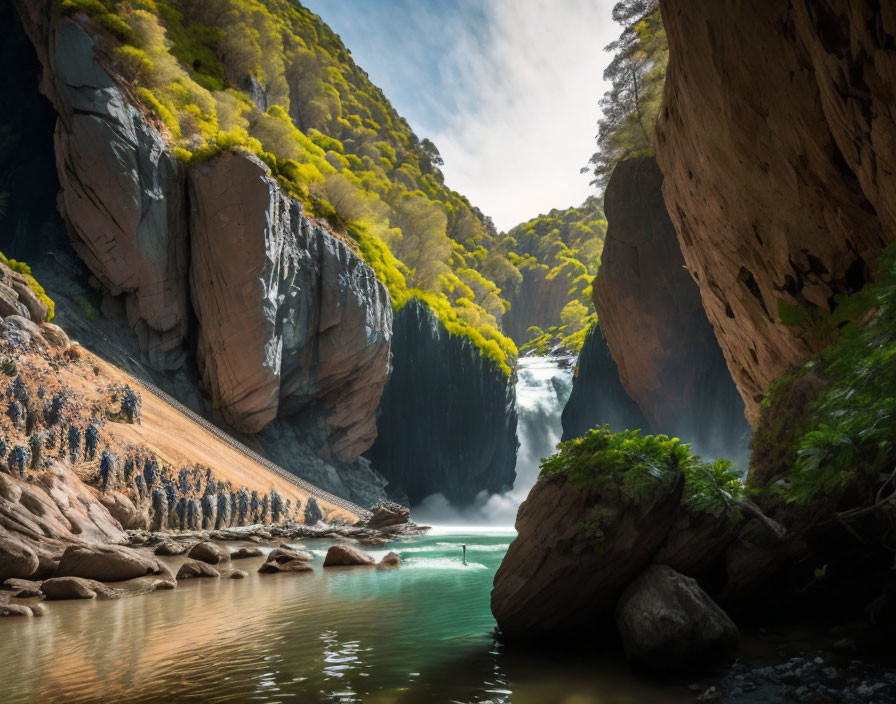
(654, 323)
(290, 319)
(39, 519)
(776, 140)
(447, 420)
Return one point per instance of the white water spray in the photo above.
(542, 388)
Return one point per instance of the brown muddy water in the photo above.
(420, 633)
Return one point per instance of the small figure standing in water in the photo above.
(465, 554)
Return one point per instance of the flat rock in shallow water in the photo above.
(15, 610)
(273, 567)
(345, 555)
(288, 555)
(77, 588)
(668, 623)
(107, 563)
(244, 552)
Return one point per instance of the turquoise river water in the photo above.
(419, 633)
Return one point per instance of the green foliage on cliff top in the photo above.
(565, 245)
(328, 134)
(33, 284)
(637, 74)
(847, 433)
(639, 464)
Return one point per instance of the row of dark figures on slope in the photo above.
(194, 499)
(29, 415)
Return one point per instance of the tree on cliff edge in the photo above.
(637, 73)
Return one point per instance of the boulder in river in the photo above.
(77, 588)
(108, 563)
(194, 568)
(14, 610)
(208, 552)
(345, 555)
(668, 623)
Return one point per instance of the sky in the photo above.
(507, 90)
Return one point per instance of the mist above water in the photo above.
(542, 388)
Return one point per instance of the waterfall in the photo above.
(542, 388)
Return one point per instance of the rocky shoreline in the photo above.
(133, 567)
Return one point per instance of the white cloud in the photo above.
(527, 105)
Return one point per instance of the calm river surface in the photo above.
(419, 633)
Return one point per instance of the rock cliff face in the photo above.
(654, 323)
(122, 191)
(447, 420)
(597, 396)
(218, 270)
(290, 320)
(776, 139)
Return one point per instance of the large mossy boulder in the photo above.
(590, 525)
(602, 510)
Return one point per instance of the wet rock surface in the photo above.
(107, 563)
(193, 569)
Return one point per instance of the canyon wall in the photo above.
(776, 139)
(221, 277)
(655, 326)
(447, 420)
(597, 396)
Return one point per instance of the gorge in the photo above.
(250, 341)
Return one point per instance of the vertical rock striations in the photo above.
(447, 419)
(776, 139)
(597, 396)
(291, 322)
(654, 323)
(122, 191)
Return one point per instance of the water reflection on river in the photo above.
(420, 633)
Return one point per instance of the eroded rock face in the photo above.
(576, 550)
(538, 302)
(122, 191)
(597, 396)
(447, 420)
(41, 518)
(290, 319)
(776, 141)
(656, 329)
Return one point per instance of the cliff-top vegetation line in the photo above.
(270, 77)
